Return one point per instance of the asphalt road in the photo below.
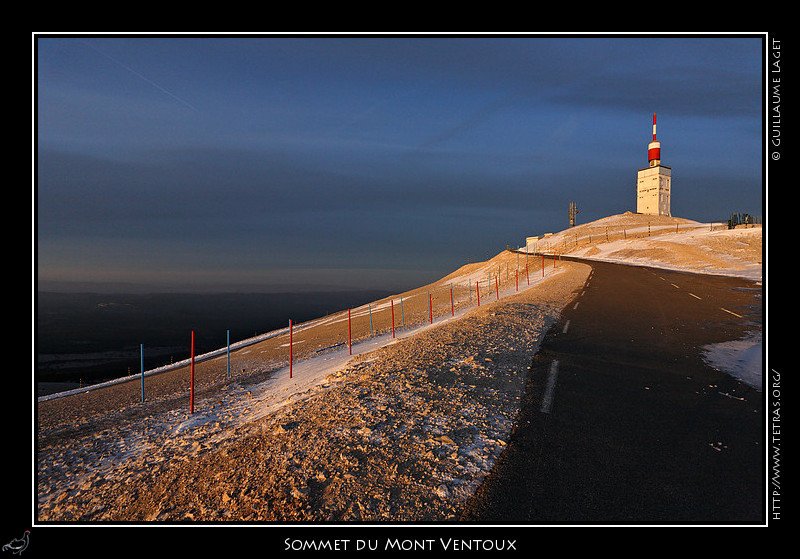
(624, 423)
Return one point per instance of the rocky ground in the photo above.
(403, 433)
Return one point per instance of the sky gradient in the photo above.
(188, 163)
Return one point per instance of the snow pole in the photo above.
(228, 339)
(497, 285)
(290, 348)
(349, 333)
(141, 363)
(392, 318)
(402, 314)
(430, 305)
(191, 392)
(478, 292)
(527, 274)
(543, 265)
(452, 308)
(371, 330)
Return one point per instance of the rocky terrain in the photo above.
(405, 432)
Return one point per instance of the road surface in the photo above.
(623, 422)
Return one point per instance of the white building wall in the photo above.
(653, 188)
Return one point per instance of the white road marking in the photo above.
(731, 312)
(693, 295)
(564, 331)
(547, 400)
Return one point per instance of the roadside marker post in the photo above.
(290, 348)
(141, 362)
(392, 318)
(452, 308)
(371, 330)
(478, 292)
(402, 314)
(191, 396)
(228, 338)
(349, 333)
(430, 305)
(497, 286)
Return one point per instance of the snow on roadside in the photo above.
(742, 359)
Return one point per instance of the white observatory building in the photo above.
(654, 182)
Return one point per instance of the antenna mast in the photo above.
(573, 209)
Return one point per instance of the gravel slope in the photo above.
(403, 433)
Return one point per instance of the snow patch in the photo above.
(741, 359)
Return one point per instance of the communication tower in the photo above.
(654, 182)
(573, 209)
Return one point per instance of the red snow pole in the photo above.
(478, 291)
(516, 278)
(430, 305)
(392, 318)
(452, 308)
(290, 348)
(191, 396)
(349, 333)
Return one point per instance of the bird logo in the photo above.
(18, 545)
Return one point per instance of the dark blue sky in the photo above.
(379, 162)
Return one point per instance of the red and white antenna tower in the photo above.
(654, 147)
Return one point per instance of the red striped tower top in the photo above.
(654, 147)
